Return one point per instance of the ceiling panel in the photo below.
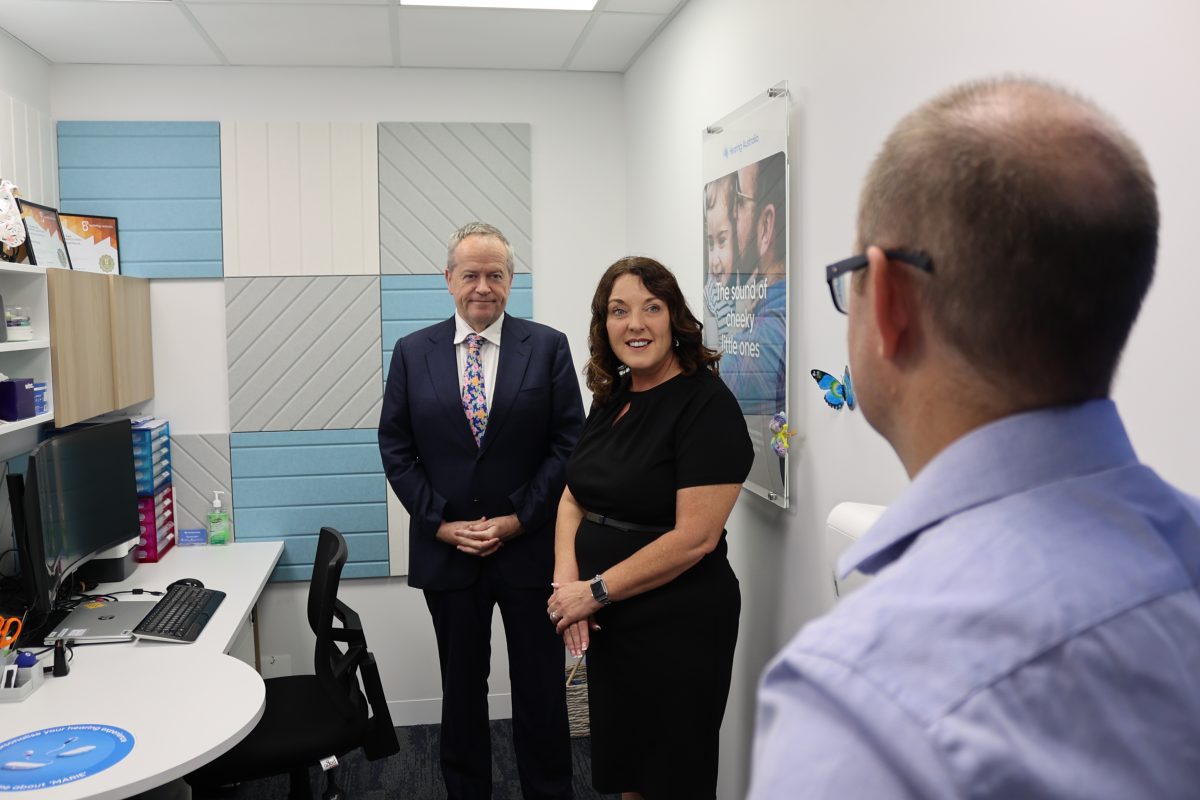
(68, 32)
(333, 33)
(279, 34)
(284, 2)
(643, 6)
(613, 40)
(488, 38)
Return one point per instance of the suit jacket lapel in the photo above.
(510, 372)
(442, 362)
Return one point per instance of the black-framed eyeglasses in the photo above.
(838, 275)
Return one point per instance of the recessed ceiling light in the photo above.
(557, 5)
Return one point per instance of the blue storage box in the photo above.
(151, 455)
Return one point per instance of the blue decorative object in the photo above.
(837, 393)
(64, 754)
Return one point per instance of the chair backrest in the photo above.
(326, 577)
(338, 670)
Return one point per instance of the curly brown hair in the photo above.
(603, 371)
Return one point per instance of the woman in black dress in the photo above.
(649, 487)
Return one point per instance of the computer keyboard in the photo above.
(180, 615)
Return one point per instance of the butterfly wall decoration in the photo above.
(837, 393)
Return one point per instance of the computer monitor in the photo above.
(78, 498)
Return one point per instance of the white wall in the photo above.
(23, 73)
(578, 219)
(27, 153)
(24, 108)
(854, 67)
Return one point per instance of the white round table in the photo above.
(183, 705)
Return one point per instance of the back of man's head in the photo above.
(1041, 220)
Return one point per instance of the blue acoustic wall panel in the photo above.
(411, 302)
(288, 484)
(161, 180)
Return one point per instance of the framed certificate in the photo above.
(92, 242)
(44, 235)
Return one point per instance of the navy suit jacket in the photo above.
(438, 472)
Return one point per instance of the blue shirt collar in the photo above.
(999, 459)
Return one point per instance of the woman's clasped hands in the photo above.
(570, 608)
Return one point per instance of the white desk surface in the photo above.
(185, 704)
(240, 570)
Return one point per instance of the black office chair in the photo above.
(310, 717)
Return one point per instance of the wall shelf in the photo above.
(25, 285)
(32, 344)
(22, 269)
(22, 424)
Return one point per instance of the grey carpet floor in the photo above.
(414, 773)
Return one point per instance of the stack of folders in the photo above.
(156, 497)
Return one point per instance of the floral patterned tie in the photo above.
(473, 397)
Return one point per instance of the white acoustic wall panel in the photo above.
(397, 519)
(28, 155)
(300, 198)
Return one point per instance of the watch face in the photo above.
(599, 590)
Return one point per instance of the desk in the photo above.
(185, 704)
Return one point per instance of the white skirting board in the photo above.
(429, 712)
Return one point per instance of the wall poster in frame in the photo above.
(44, 235)
(92, 242)
(746, 267)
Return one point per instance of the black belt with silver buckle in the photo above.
(628, 527)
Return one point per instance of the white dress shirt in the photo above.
(489, 353)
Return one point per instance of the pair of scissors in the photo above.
(10, 631)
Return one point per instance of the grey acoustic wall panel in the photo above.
(199, 466)
(303, 353)
(435, 177)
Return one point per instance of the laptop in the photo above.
(95, 623)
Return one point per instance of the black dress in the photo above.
(659, 668)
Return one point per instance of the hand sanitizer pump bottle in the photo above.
(218, 522)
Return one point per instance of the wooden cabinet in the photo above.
(99, 343)
(133, 357)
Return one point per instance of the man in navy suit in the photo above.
(479, 416)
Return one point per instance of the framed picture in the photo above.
(44, 235)
(92, 242)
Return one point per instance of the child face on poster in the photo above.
(719, 228)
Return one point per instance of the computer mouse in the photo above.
(187, 582)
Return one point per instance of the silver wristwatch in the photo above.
(600, 591)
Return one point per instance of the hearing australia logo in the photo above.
(737, 147)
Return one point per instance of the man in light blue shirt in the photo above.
(1033, 626)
